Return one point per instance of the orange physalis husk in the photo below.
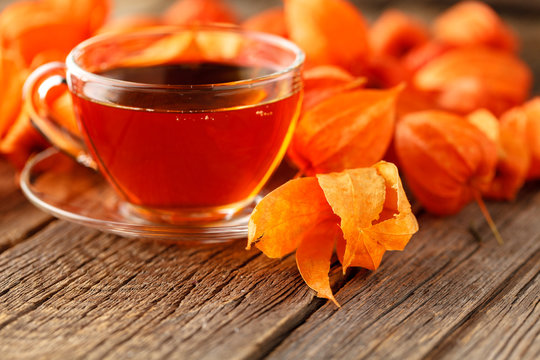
(90, 13)
(394, 34)
(21, 141)
(32, 33)
(331, 32)
(423, 54)
(12, 76)
(313, 257)
(466, 79)
(370, 226)
(412, 100)
(270, 21)
(513, 159)
(48, 25)
(283, 218)
(383, 72)
(62, 111)
(130, 23)
(486, 122)
(369, 205)
(472, 23)
(184, 12)
(169, 48)
(524, 122)
(447, 160)
(321, 82)
(43, 28)
(348, 130)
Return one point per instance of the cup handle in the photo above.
(36, 88)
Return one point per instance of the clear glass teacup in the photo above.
(186, 124)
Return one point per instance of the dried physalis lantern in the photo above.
(524, 122)
(31, 34)
(421, 55)
(466, 79)
(321, 82)
(447, 160)
(130, 23)
(12, 76)
(472, 23)
(270, 21)
(394, 34)
(184, 12)
(368, 204)
(331, 32)
(513, 158)
(347, 130)
(32, 27)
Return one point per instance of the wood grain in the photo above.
(510, 318)
(418, 299)
(73, 292)
(18, 218)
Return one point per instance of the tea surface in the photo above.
(186, 74)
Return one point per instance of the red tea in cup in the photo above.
(184, 158)
(185, 124)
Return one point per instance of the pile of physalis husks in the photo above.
(447, 103)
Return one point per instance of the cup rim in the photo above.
(74, 68)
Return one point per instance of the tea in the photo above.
(159, 152)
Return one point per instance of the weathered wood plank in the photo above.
(70, 291)
(507, 326)
(74, 292)
(18, 218)
(424, 295)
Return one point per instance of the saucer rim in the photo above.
(180, 233)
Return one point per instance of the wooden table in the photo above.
(69, 292)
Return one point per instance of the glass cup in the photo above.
(186, 124)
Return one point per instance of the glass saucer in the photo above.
(57, 184)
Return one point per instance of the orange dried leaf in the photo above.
(466, 79)
(524, 123)
(394, 34)
(270, 21)
(347, 130)
(446, 159)
(474, 23)
(198, 11)
(331, 32)
(313, 258)
(285, 217)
